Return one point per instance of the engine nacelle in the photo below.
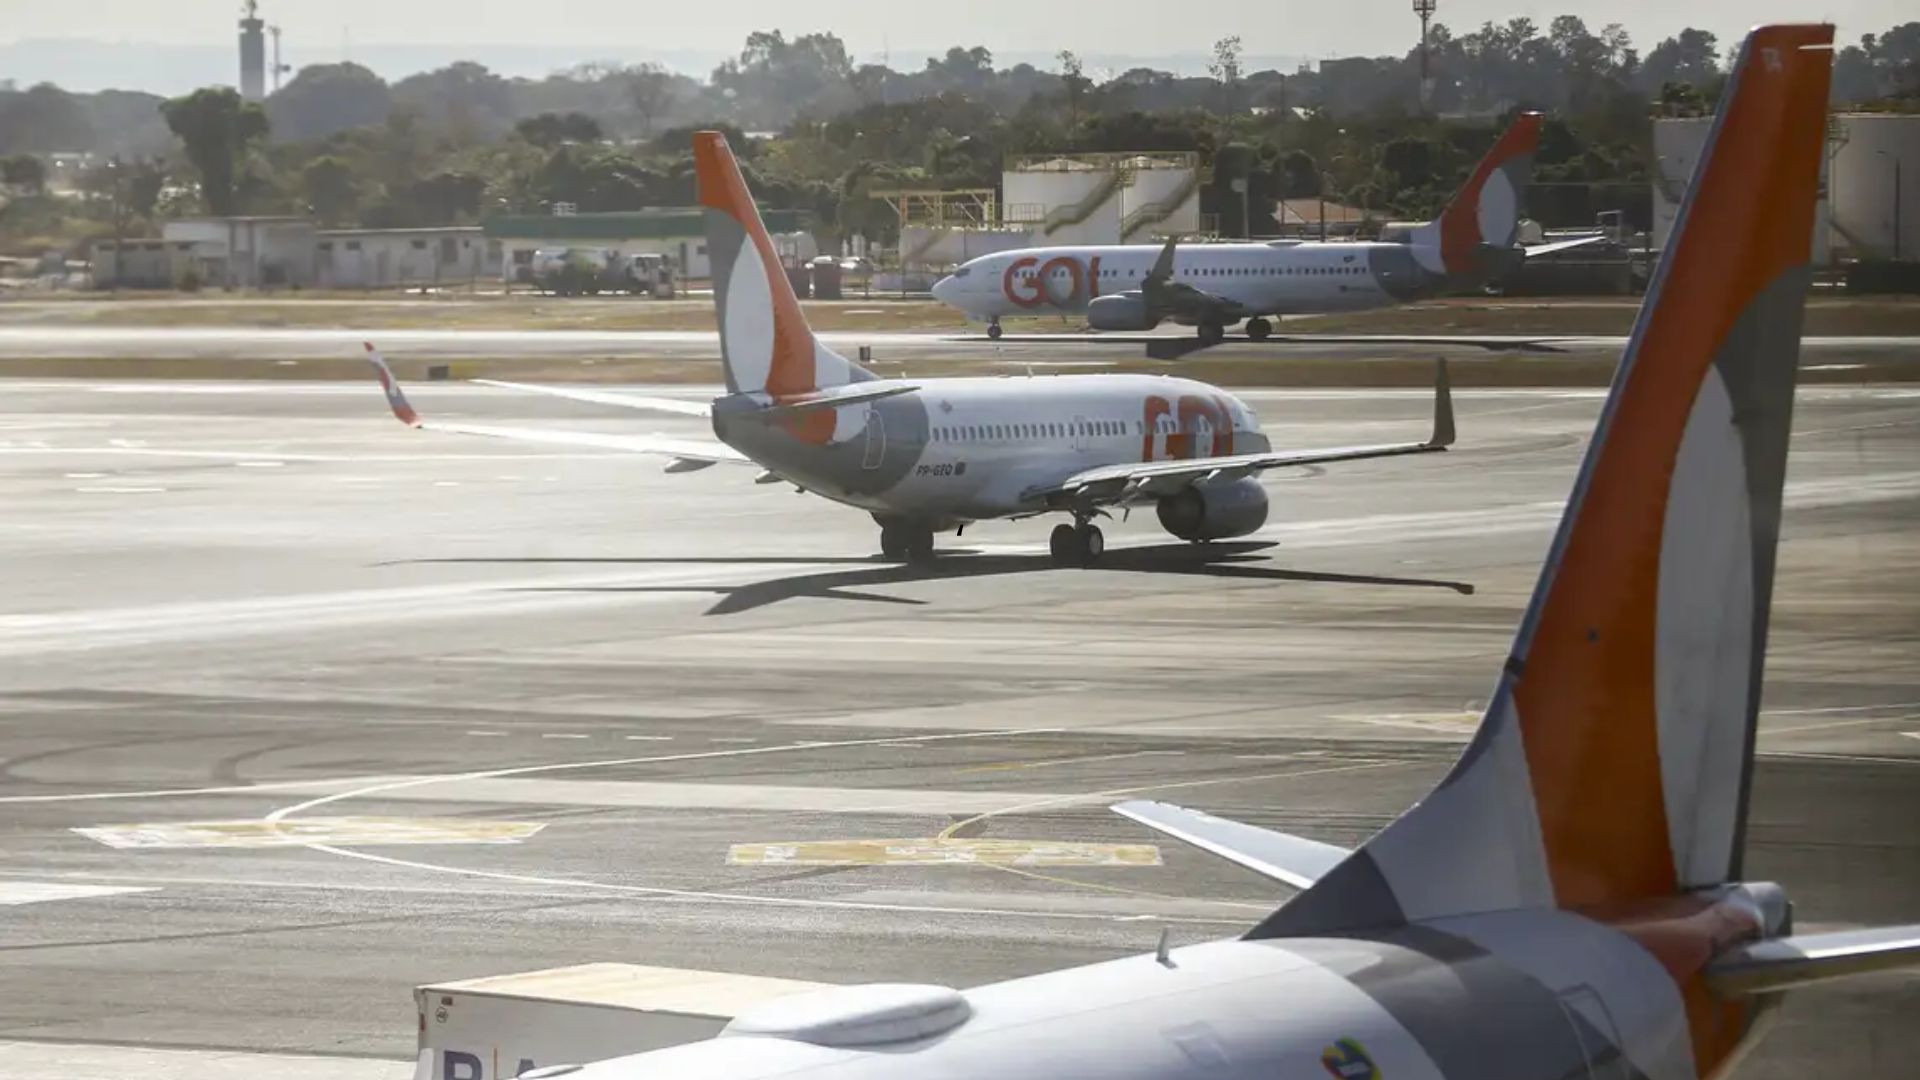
(1216, 511)
(1120, 311)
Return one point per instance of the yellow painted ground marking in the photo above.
(343, 831)
(1041, 804)
(940, 851)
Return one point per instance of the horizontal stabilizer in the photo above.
(856, 394)
(1294, 860)
(684, 452)
(1766, 967)
(1536, 250)
(677, 406)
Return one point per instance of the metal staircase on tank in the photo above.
(1158, 210)
(1062, 217)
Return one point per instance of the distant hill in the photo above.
(85, 65)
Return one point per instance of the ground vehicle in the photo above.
(591, 271)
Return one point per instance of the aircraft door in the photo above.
(1080, 433)
(876, 439)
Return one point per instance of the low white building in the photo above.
(144, 263)
(679, 233)
(248, 252)
(388, 258)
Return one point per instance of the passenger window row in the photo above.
(1225, 271)
(979, 433)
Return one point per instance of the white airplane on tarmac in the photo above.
(928, 455)
(1212, 286)
(1569, 902)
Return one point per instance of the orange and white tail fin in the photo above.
(765, 342)
(1483, 217)
(1613, 763)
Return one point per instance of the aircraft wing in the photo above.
(1181, 302)
(1130, 482)
(1294, 860)
(1766, 967)
(677, 406)
(687, 454)
(1184, 303)
(1537, 250)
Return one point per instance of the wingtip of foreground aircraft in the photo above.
(396, 398)
(1443, 431)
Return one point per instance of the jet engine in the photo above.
(1216, 511)
(1120, 311)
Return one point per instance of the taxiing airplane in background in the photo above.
(1569, 902)
(1213, 286)
(928, 455)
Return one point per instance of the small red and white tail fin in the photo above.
(396, 398)
(765, 342)
(1613, 764)
(1484, 215)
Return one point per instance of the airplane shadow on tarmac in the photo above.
(1230, 560)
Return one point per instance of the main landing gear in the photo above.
(1211, 333)
(1258, 328)
(993, 329)
(1079, 544)
(901, 540)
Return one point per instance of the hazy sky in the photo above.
(315, 29)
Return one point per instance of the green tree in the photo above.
(325, 98)
(216, 128)
(549, 130)
(1691, 57)
(464, 97)
(650, 89)
(331, 190)
(23, 173)
(1077, 84)
(1225, 69)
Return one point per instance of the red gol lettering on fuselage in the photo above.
(1182, 442)
(1033, 291)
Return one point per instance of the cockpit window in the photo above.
(963, 271)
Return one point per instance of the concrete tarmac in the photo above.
(258, 604)
(240, 342)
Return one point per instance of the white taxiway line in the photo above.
(287, 812)
(14, 893)
(169, 793)
(81, 1061)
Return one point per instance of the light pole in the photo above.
(1896, 201)
(1424, 9)
(119, 223)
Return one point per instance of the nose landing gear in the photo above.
(993, 329)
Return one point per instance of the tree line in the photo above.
(462, 142)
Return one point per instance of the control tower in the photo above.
(253, 54)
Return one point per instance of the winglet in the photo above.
(1442, 406)
(396, 398)
(1292, 860)
(1162, 271)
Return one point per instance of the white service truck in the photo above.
(501, 1026)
